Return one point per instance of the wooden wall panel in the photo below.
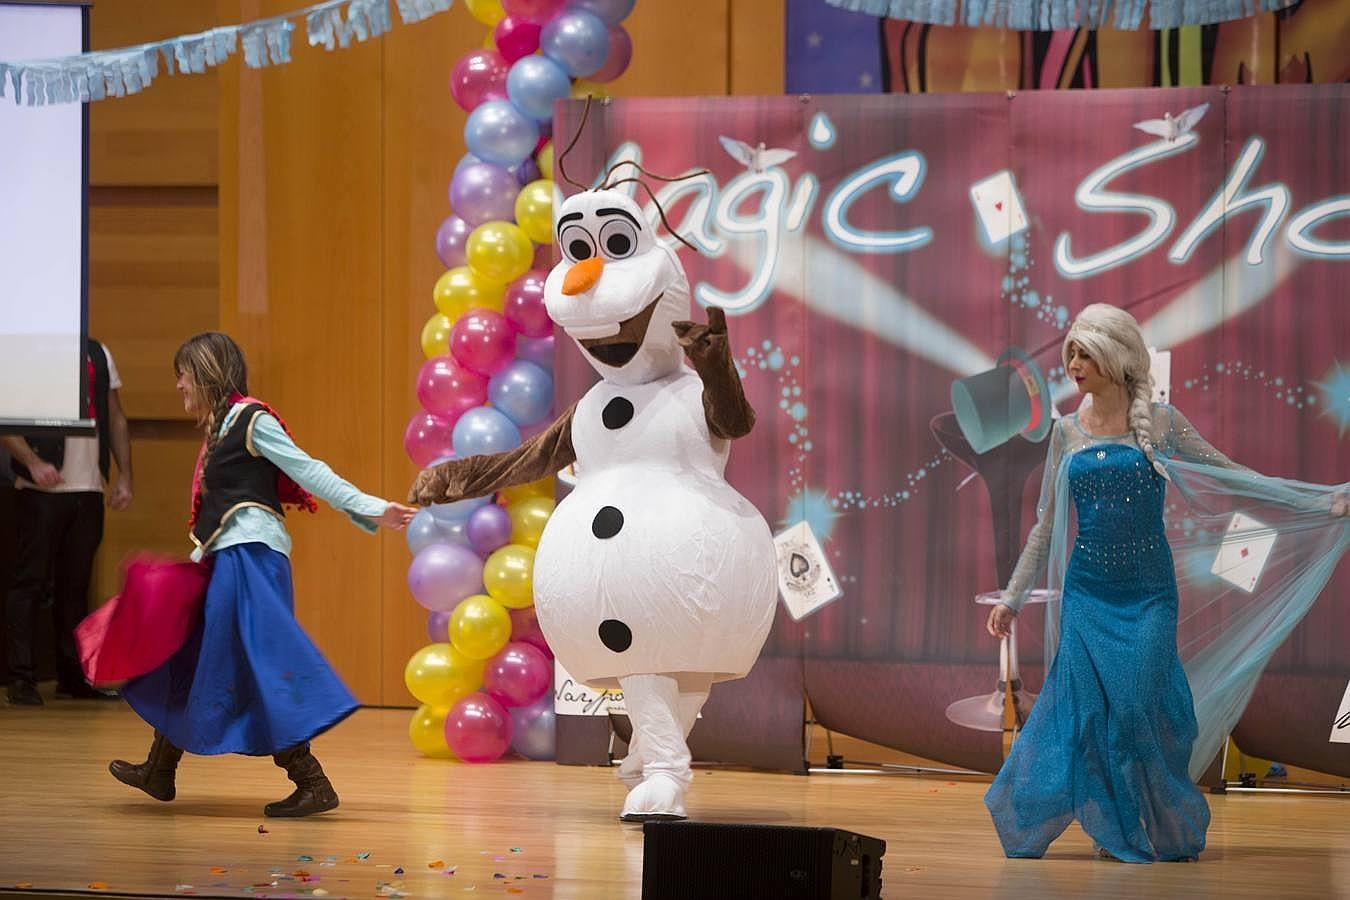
(165, 135)
(153, 280)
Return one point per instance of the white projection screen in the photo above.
(43, 232)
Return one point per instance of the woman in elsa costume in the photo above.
(1129, 715)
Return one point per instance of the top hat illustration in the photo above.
(1011, 398)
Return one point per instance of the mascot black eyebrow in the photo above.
(653, 575)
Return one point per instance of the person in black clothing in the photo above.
(59, 515)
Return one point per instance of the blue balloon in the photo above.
(452, 516)
(484, 430)
(499, 133)
(534, 82)
(523, 392)
(611, 12)
(422, 532)
(576, 40)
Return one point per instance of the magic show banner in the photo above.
(873, 251)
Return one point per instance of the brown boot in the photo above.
(155, 776)
(313, 791)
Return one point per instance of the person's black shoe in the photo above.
(83, 691)
(24, 693)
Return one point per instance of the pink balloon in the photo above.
(518, 675)
(427, 438)
(619, 56)
(516, 37)
(483, 341)
(478, 729)
(539, 11)
(446, 388)
(525, 305)
(525, 629)
(478, 77)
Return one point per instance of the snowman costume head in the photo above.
(618, 289)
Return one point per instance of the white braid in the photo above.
(1141, 417)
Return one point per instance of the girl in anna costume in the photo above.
(247, 679)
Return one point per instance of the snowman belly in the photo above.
(643, 570)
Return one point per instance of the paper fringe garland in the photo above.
(116, 73)
(1048, 15)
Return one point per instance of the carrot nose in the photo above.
(583, 275)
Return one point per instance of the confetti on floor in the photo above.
(218, 870)
(436, 864)
(98, 885)
(262, 830)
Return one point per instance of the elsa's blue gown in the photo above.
(1109, 739)
(1128, 717)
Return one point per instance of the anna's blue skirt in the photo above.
(248, 679)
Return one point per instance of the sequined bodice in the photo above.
(1116, 494)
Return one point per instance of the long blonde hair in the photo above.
(1112, 338)
(218, 371)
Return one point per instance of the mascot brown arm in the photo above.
(728, 413)
(477, 476)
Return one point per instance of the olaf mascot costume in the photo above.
(653, 575)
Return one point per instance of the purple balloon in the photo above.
(478, 728)
(534, 729)
(576, 40)
(488, 528)
(483, 192)
(451, 239)
(438, 626)
(518, 675)
(537, 350)
(527, 171)
(444, 574)
(617, 59)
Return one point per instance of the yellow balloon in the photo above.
(479, 627)
(426, 730)
(581, 88)
(436, 336)
(488, 12)
(541, 488)
(545, 160)
(534, 210)
(500, 251)
(528, 518)
(508, 575)
(438, 675)
(461, 289)
(490, 40)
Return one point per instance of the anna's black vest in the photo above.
(53, 449)
(234, 477)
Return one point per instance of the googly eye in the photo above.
(618, 239)
(576, 243)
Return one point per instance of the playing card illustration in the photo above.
(1242, 555)
(999, 207)
(805, 580)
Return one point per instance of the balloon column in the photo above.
(484, 681)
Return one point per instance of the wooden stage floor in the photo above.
(535, 830)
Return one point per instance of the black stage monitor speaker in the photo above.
(708, 861)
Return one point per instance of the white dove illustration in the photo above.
(757, 158)
(1173, 128)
